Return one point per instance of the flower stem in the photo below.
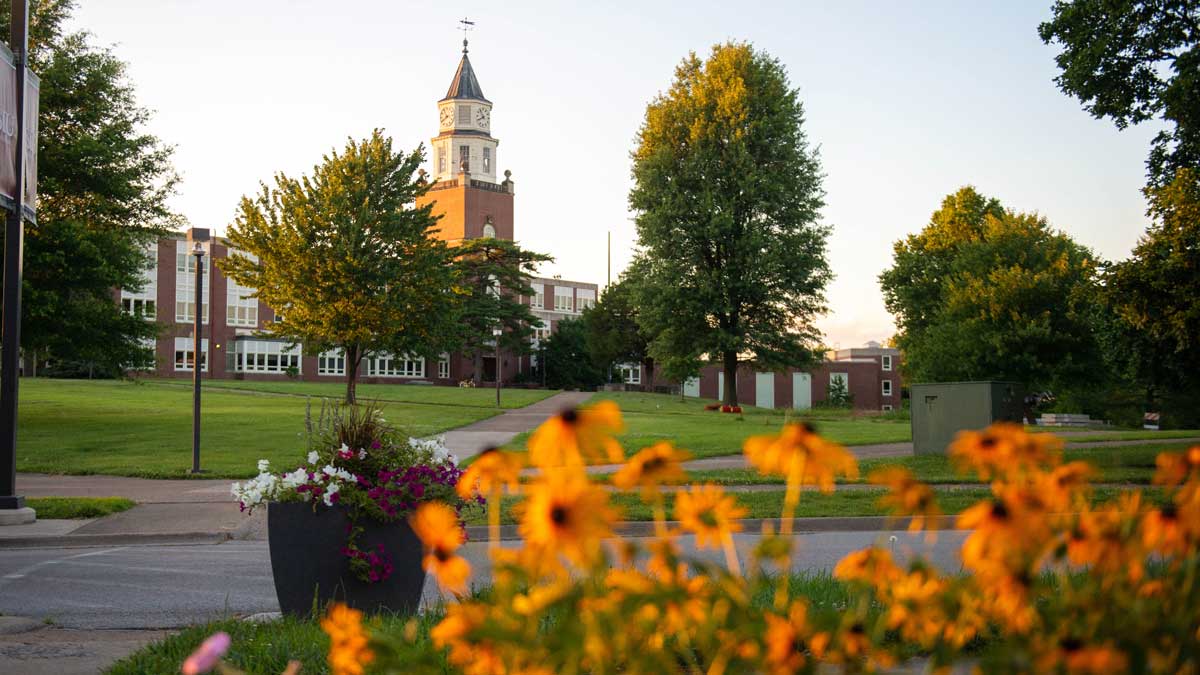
(791, 498)
(660, 516)
(731, 556)
(493, 509)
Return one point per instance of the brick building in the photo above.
(471, 203)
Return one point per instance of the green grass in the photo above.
(78, 507)
(145, 429)
(1128, 435)
(768, 503)
(481, 397)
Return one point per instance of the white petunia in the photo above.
(362, 454)
(329, 470)
(313, 457)
(295, 479)
(263, 466)
(333, 489)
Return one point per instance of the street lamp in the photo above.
(197, 239)
(496, 333)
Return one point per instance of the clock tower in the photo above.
(466, 193)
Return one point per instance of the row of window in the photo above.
(885, 385)
(464, 159)
(272, 357)
(564, 301)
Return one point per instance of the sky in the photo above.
(906, 102)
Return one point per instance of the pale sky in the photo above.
(907, 102)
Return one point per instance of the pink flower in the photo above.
(207, 655)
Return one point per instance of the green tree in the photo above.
(493, 276)
(983, 292)
(347, 258)
(103, 184)
(566, 359)
(1133, 61)
(1156, 293)
(613, 332)
(838, 395)
(727, 195)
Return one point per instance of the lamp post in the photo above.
(496, 333)
(197, 240)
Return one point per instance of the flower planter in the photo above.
(309, 565)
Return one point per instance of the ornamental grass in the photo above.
(1050, 581)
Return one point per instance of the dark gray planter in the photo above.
(308, 564)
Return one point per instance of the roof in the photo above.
(465, 84)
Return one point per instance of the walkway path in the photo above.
(496, 431)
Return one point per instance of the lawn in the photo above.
(78, 507)
(650, 418)
(482, 397)
(768, 503)
(145, 429)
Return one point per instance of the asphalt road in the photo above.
(168, 586)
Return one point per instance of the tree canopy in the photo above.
(727, 195)
(103, 185)
(347, 258)
(566, 360)
(613, 333)
(987, 293)
(1132, 61)
(494, 274)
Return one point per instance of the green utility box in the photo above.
(941, 410)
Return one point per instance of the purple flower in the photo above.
(207, 655)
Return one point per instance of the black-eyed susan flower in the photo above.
(652, 467)
(709, 513)
(907, 496)
(873, 566)
(1004, 449)
(492, 470)
(348, 650)
(798, 453)
(566, 513)
(785, 639)
(437, 526)
(578, 435)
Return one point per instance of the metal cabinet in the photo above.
(941, 410)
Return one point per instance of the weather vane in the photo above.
(466, 25)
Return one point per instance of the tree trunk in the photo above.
(648, 364)
(729, 396)
(477, 364)
(352, 359)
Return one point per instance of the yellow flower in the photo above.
(798, 448)
(491, 470)
(1175, 468)
(455, 631)
(907, 496)
(566, 513)
(348, 651)
(576, 435)
(785, 639)
(438, 528)
(708, 512)
(652, 467)
(1004, 449)
(870, 565)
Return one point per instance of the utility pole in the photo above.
(197, 238)
(12, 505)
(497, 332)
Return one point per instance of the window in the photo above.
(265, 356)
(144, 302)
(587, 298)
(887, 361)
(185, 359)
(240, 308)
(332, 363)
(887, 387)
(185, 284)
(487, 160)
(489, 231)
(562, 299)
(630, 373)
(441, 159)
(887, 408)
(151, 359)
(843, 378)
(464, 114)
(464, 157)
(444, 367)
(386, 365)
(539, 296)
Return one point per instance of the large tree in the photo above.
(986, 293)
(347, 259)
(1133, 61)
(613, 333)
(494, 274)
(565, 358)
(727, 194)
(103, 184)
(1156, 293)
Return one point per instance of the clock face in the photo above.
(482, 117)
(447, 116)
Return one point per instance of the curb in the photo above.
(90, 540)
(752, 526)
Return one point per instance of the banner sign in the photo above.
(8, 134)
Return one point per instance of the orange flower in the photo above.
(799, 450)
(456, 632)
(1175, 468)
(1105, 539)
(491, 470)
(438, 528)
(566, 513)
(348, 651)
(907, 496)
(576, 435)
(652, 467)
(708, 512)
(870, 565)
(785, 638)
(1003, 449)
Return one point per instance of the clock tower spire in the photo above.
(470, 199)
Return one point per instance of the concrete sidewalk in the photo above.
(495, 431)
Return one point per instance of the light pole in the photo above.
(197, 240)
(496, 333)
